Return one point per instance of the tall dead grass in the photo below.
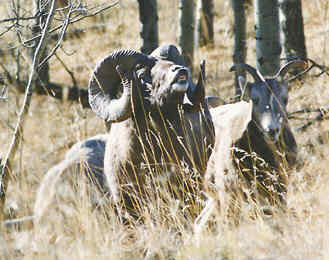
(74, 229)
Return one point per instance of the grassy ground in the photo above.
(52, 127)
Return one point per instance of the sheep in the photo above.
(230, 122)
(85, 157)
(160, 123)
(266, 149)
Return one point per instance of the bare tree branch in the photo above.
(7, 30)
(52, 89)
(63, 31)
(16, 19)
(73, 20)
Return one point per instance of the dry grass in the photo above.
(82, 233)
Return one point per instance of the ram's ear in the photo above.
(196, 93)
(140, 93)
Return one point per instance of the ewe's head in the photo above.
(269, 97)
(125, 77)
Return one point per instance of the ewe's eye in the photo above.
(285, 100)
(255, 100)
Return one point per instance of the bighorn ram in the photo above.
(153, 129)
(267, 148)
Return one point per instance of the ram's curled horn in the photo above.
(253, 72)
(290, 65)
(105, 84)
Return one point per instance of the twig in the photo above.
(7, 30)
(74, 81)
(25, 108)
(323, 69)
(63, 31)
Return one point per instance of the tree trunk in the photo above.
(267, 27)
(204, 33)
(186, 30)
(292, 27)
(43, 72)
(148, 16)
(240, 47)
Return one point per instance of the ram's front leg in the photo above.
(118, 161)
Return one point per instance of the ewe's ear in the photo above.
(243, 86)
(214, 101)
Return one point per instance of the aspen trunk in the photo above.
(43, 72)
(204, 33)
(267, 26)
(240, 47)
(186, 30)
(292, 27)
(148, 16)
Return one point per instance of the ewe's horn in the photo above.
(253, 72)
(292, 64)
(105, 82)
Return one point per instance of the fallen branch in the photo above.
(10, 223)
(57, 91)
(322, 115)
(307, 110)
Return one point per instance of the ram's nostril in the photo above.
(273, 131)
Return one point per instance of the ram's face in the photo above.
(269, 106)
(169, 83)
